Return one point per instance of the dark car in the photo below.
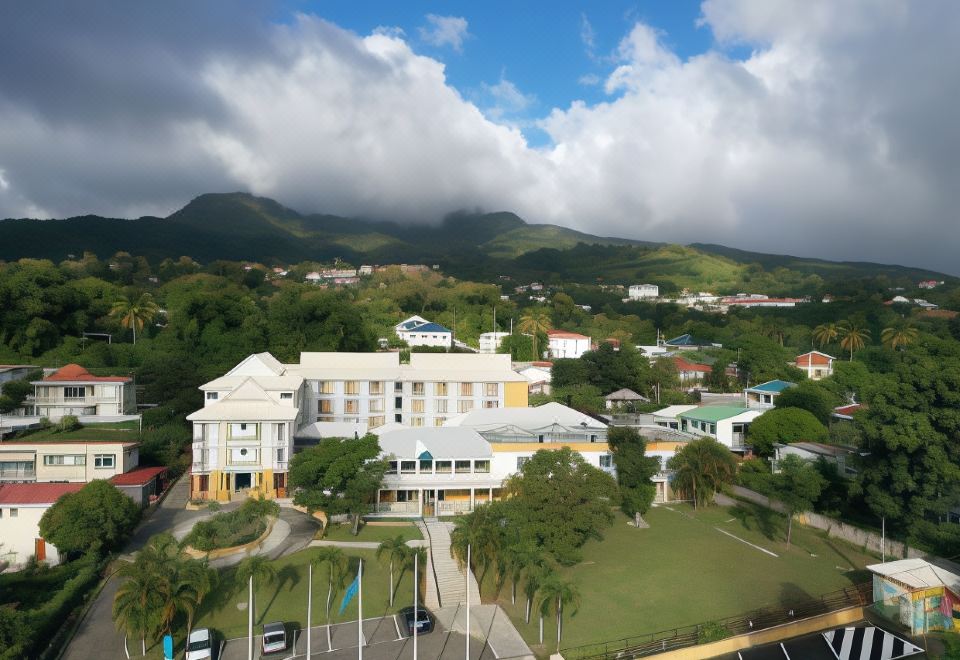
(274, 638)
(424, 620)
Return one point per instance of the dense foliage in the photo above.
(634, 469)
(783, 426)
(232, 528)
(95, 519)
(702, 468)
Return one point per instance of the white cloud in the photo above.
(506, 99)
(588, 37)
(445, 31)
(589, 79)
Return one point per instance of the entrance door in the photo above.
(242, 481)
(429, 509)
(40, 549)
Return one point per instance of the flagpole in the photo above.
(309, 605)
(416, 585)
(468, 604)
(250, 620)
(360, 612)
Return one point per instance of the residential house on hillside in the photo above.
(243, 437)
(417, 331)
(668, 417)
(846, 412)
(817, 365)
(763, 396)
(564, 344)
(538, 375)
(624, 399)
(21, 508)
(73, 461)
(72, 390)
(727, 425)
(837, 455)
(691, 373)
(490, 341)
(688, 342)
(641, 291)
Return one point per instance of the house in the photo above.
(750, 301)
(928, 284)
(538, 376)
(71, 461)
(21, 508)
(244, 435)
(846, 412)
(142, 485)
(817, 365)
(668, 417)
(10, 372)
(764, 395)
(418, 331)
(922, 595)
(624, 399)
(490, 341)
(564, 344)
(641, 291)
(72, 390)
(728, 425)
(313, 277)
(691, 373)
(688, 342)
(838, 455)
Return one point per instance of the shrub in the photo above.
(225, 530)
(711, 632)
(68, 423)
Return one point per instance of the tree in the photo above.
(797, 485)
(339, 475)
(251, 570)
(853, 337)
(784, 425)
(701, 468)
(94, 519)
(825, 333)
(900, 334)
(634, 469)
(133, 314)
(480, 531)
(393, 550)
(585, 398)
(138, 605)
(811, 396)
(337, 566)
(557, 593)
(567, 372)
(535, 323)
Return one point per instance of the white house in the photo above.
(668, 417)
(21, 507)
(838, 455)
(72, 390)
(73, 461)
(564, 344)
(641, 291)
(727, 425)
(817, 365)
(764, 395)
(490, 341)
(417, 331)
(538, 375)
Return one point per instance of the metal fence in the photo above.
(665, 640)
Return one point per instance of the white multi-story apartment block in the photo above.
(641, 291)
(418, 331)
(244, 435)
(565, 344)
(72, 390)
(490, 341)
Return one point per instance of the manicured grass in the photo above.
(682, 571)
(286, 598)
(119, 432)
(372, 533)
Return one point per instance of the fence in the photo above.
(665, 640)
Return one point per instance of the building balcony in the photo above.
(11, 474)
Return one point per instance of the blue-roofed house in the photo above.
(688, 342)
(417, 331)
(764, 395)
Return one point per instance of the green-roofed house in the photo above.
(763, 396)
(726, 424)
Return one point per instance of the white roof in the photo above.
(458, 367)
(258, 364)
(443, 442)
(243, 411)
(333, 430)
(673, 411)
(918, 574)
(549, 414)
(286, 383)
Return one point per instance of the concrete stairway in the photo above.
(446, 581)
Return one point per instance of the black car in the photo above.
(424, 620)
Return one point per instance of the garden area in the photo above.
(232, 528)
(372, 532)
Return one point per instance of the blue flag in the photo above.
(350, 593)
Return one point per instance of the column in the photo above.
(377, 508)
(420, 503)
(490, 495)
(472, 495)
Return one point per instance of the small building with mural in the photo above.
(919, 594)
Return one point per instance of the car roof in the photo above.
(277, 626)
(200, 634)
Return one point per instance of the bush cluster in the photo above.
(225, 530)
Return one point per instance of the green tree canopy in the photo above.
(634, 469)
(784, 425)
(811, 396)
(797, 485)
(94, 519)
(701, 469)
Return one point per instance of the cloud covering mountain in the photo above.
(833, 137)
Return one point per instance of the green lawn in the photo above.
(286, 598)
(119, 431)
(372, 533)
(682, 571)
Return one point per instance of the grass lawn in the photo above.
(119, 431)
(372, 533)
(286, 598)
(682, 571)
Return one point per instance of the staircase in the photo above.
(446, 581)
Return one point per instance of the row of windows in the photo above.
(441, 406)
(284, 396)
(481, 466)
(376, 388)
(12, 513)
(99, 460)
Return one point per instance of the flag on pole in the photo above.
(350, 593)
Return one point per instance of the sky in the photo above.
(807, 127)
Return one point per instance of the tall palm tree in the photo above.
(535, 576)
(555, 593)
(481, 532)
(852, 337)
(393, 550)
(825, 333)
(252, 569)
(514, 561)
(535, 322)
(133, 314)
(337, 565)
(701, 468)
(900, 334)
(138, 605)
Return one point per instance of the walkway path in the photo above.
(445, 578)
(366, 545)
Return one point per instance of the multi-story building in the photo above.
(72, 390)
(490, 341)
(77, 461)
(564, 344)
(641, 291)
(728, 425)
(243, 436)
(418, 331)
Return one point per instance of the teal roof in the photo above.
(713, 413)
(775, 386)
(687, 340)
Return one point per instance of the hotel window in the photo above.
(426, 467)
(398, 388)
(606, 461)
(72, 459)
(408, 467)
(351, 406)
(416, 406)
(326, 387)
(375, 405)
(351, 387)
(376, 387)
(466, 389)
(14, 513)
(281, 453)
(419, 389)
(462, 467)
(442, 467)
(464, 406)
(416, 421)
(104, 460)
(286, 395)
(481, 467)
(440, 405)
(374, 422)
(213, 396)
(491, 404)
(440, 389)
(391, 467)
(438, 421)
(73, 392)
(325, 406)
(491, 389)
(398, 418)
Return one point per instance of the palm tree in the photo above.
(480, 531)
(537, 321)
(133, 315)
(393, 550)
(555, 593)
(701, 468)
(251, 569)
(514, 561)
(337, 566)
(137, 605)
(852, 337)
(900, 334)
(825, 333)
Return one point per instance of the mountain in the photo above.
(480, 246)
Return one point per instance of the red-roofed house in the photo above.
(21, 507)
(72, 390)
(846, 412)
(564, 344)
(817, 365)
(142, 485)
(690, 372)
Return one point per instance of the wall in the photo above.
(19, 534)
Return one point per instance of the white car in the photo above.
(200, 645)
(274, 638)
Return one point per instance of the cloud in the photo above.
(589, 79)
(445, 31)
(588, 37)
(834, 138)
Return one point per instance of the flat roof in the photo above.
(137, 477)
(714, 413)
(771, 386)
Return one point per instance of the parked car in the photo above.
(424, 620)
(200, 644)
(274, 638)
